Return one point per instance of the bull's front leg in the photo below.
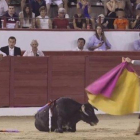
(73, 128)
(59, 125)
(138, 130)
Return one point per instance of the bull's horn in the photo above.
(83, 110)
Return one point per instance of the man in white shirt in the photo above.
(11, 49)
(134, 62)
(3, 9)
(34, 50)
(80, 44)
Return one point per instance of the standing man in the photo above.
(135, 62)
(11, 49)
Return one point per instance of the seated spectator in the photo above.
(85, 6)
(10, 18)
(79, 21)
(111, 14)
(80, 44)
(102, 20)
(2, 54)
(35, 5)
(120, 4)
(27, 17)
(90, 24)
(121, 22)
(34, 50)
(61, 22)
(98, 42)
(11, 49)
(136, 23)
(3, 9)
(137, 44)
(43, 21)
(59, 3)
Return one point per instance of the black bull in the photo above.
(65, 114)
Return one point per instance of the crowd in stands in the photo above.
(118, 14)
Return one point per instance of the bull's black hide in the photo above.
(65, 114)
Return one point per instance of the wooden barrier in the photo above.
(33, 81)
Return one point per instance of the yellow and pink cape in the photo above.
(116, 92)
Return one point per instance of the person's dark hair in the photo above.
(11, 5)
(82, 39)
(103, 38)
(29, 15)
(12, 37)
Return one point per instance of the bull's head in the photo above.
(88, 114)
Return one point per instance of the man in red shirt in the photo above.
(60, 22)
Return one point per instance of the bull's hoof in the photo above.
(71, 130)
(137, 133)
(58, 131)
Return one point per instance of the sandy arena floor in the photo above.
(109, 128)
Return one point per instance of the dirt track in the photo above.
(109, 128)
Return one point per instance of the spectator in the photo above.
(136, 23)
(43, 21)
(85, 6)
(2, 54)
(121, 22)
(111, 14)
(98, 42)
(79, 21)
(27, 17)
(34, 50)
(80, 44)
(10, 18)
(137, 44)
(3, 9)
(59, 3)
(102, 20)
(60, 22)
(36, 4)
(11, 49)
(121, 4)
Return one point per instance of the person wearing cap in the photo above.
(34, 50)
(102, 20)
(60, 22)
